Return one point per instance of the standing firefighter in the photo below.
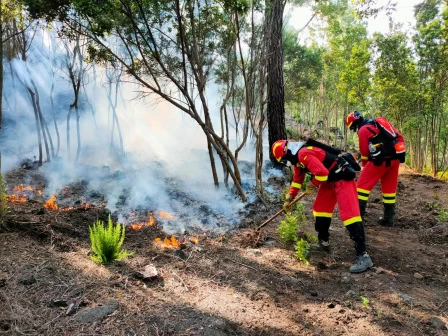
(382, 150)
(335, 178)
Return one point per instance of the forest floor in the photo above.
(235, 283)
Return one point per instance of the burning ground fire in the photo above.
(150, 222)
(173, 242)
(139, 226)
(22, 193)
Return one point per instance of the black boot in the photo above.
(362, 208)
(322, 226)
(363, 260)
(389, 214)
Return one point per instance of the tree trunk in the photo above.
(275, 87)
(54, 118)
(36, 117)
(43, 125)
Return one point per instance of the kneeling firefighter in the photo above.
(334, 174)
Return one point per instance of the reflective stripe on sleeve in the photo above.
(296, 185)
(321, 178)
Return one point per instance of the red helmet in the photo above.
(279, 149)
(352, 120)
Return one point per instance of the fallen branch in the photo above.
(183, 283)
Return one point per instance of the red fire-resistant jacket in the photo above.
(311, 160)
(365, 134)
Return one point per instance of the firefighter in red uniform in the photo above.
(336, 185)
(382, 150)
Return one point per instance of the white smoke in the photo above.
(166, 165)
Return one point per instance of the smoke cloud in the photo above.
(165, 165)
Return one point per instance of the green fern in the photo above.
(303, 250)
(106, 242)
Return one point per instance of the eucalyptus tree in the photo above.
(75, 68)
(395, 91)
(431, 43)
(167, 47)
(303, 73)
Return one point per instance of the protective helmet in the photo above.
(279, 149)
(352, 120)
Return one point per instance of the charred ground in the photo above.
(236, 283)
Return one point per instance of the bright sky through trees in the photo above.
(404, 14)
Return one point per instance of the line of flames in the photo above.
(174, 242)
(21, 193)
(138, 226)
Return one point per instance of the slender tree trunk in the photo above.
(275, 87)
(78, 134)
(69, 114)
(58, 137)
(36, 118)
(43, 125)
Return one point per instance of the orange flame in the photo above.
(21, 193)
(168, 242)
(136, 226)
(195, 240)
(51, 203)
(151, 220)
(165, 215)
(139, 226)
(13, 198)
(21, 187)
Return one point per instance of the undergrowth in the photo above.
(3, 206)
(287, 231)
(443, 216)
(106, 242)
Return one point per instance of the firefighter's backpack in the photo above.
(387, 145)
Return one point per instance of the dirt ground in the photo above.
(237, 283)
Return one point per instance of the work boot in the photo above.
(356, 231)
(322, 226)
(362, 209)
(324, 246)
(362, 263)
(389, 213)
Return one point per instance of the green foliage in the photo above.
(287, 228)
(365, 301)
(302, 249)
(3, 206)
(443, 216)
(106, 242)
(311, 238)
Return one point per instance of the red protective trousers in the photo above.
(344, 194)
(371, 174)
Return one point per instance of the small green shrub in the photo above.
(283, 194)
(106, 242)
(299, 212)
(305, 182)
(312, 239)
(303, 250)
(365, 301)
(3, 206)
(287, 228)
(443, 216)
